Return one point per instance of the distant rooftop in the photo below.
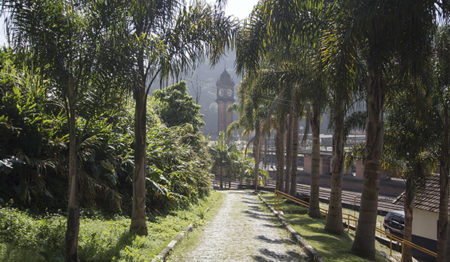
(426, 198)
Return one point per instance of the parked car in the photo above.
(394, 222)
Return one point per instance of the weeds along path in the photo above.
(242, 230)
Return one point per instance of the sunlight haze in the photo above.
(238, 8)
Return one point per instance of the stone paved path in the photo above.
(243, 231)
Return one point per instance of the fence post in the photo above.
(403, 245)
(390, 244)
(276, 201)
(348, 223)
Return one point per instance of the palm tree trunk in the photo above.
(408, 207)
(73, 207)
(138, 218)
(314, 210)
(256, 149)
(265, 150)
(287, 177)
(447, 246)
(364, 243)
(221, 177)
(294, 155)
(279, 146)
(444, 190)
(228, 176)
(334, 217)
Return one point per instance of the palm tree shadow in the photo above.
(254, 207)
(275, 241)
(259, 216)
(268, 255)
(273, 226)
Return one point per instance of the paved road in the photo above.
(243, 231)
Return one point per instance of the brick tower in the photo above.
(225, 98)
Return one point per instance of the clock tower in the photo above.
(225, 98)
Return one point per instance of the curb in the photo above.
(308, 249)
(166, 251)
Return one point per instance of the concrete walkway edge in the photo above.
(308, 249)
(166, 251)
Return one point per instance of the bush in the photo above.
(34, 148)
(43, 237)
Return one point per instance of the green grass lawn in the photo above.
(27, 238)
(330, 247)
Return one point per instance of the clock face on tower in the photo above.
(225, 93)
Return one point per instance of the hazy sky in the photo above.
(2, 31)
(238, 8)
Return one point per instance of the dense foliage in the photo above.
(231, 161)
(34, 144)
(176, 107)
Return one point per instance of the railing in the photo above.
(353, 219)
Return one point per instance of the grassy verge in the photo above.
(27, 238)
(330, 247)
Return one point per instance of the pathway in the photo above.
(243, 231)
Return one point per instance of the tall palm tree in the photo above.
(388, 28)
(279, 150)
(64, 38)
(289, 135)
(314, 209)
(257, 76)
(292, 24)
(220, 155)
(224, 154)
(340, 57)
(294, 125)
(165, 38)
(298, 24)
(250, 118)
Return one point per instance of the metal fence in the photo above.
(352, 223)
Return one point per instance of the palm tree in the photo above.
(295, 24)
(220, 156)
(254, 93)
(340, 57)
(56, 33)
(287, 175)
(314, 209)
(165, 38)
(279, 150)
(294, 118)
(403, 28)
(226, 157)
